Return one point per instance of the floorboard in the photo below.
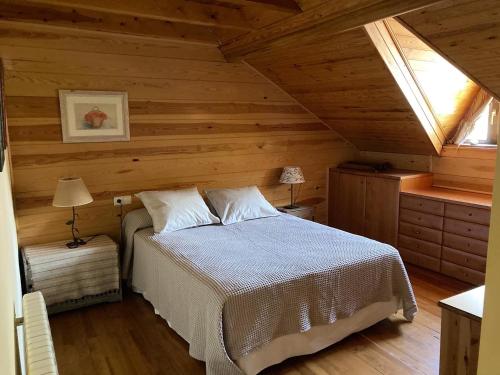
(128, 338)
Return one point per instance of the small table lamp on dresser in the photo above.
(72, 192)
(292, 176)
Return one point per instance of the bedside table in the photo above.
(304, 212)
(73, 278)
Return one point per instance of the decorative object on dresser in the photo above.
(304, 212)
(367, 203)
(74, 278)
(366, 166)
(72, 192)
(446, 231)
(94, 116)
(292, 176)
(461, 318)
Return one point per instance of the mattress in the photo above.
(231, 290)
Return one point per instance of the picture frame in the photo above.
(3, 119)
(94, 116)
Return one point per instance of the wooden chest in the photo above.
(446, 232)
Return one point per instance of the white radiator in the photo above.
(38, 346)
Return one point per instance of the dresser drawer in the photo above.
(466, 213)
(422, 233)
(419, 246)
(462, 273)
(420, 218)
(464, 259)
(422, 205)
(466, 229)
(467, 244)
(420, 260)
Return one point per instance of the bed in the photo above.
(249, 295)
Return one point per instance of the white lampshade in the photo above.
(71, 192)
(292, 175)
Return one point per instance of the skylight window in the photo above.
(445, 89)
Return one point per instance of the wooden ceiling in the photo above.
(316, 50)
(343, 80)
(194, 21)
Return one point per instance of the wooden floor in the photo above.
(128, 338)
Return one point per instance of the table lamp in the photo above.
(292, 176)
(72, 192)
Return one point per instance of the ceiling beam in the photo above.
(65, 17)
(288, 6)
(339, 15)
(171, 10)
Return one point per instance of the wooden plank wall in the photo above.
(195, 119)
(464, 168)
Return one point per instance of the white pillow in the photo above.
(172, 210)
(235, 205)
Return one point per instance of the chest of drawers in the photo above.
(445, 234)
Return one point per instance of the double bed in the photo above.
(249, 295)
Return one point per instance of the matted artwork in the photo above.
(94, 116)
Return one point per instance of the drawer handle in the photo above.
(470, 213)
(419, 218)
(417, 232)
(469, 229)
(468, 244)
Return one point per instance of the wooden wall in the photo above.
(465, 168)
(195, 119)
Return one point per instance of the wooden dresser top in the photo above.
(396, 174)
(469, 303)
(452, 196)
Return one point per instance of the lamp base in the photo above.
(75, 243)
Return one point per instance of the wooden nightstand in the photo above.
(73, 278)
(304, 212)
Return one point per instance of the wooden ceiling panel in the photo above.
(342, 79)
(467, 33)
(288, 6)
(67, 17)
(171, 10)
(331, 15)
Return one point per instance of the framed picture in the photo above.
(94, 116)
(3, 120)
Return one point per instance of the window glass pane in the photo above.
(480, 132)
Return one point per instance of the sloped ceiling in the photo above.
(343, 80)
(467, 33)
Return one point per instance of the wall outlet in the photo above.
(123, 200)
